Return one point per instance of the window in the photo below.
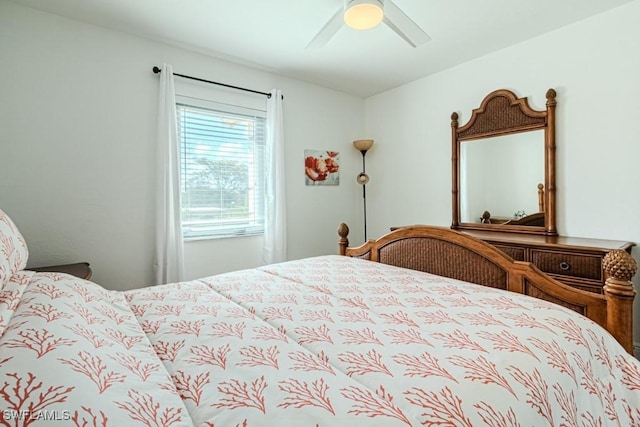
(222, 170)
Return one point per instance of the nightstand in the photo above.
(81, 269)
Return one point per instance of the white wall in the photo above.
(78, 110)
(593, 65)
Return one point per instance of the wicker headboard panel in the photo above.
(449, 260)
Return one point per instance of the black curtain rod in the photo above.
(157, 70)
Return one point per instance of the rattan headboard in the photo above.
(449, 260)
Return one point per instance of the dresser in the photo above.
(571, 260)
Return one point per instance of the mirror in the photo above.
(485, 177)
(504, 166)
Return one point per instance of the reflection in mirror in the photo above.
(499, 178)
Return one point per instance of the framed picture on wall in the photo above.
(321, 167)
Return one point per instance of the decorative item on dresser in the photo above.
(509, 121)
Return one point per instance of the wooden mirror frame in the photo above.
(503, 113)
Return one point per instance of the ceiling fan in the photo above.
(365, 14)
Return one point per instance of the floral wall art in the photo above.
(321, 167)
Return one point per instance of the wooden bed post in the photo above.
(343, 242)
(620, 267)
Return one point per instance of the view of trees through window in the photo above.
(222, 172)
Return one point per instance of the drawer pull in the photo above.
(564, 266)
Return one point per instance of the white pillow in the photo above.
(13, 249)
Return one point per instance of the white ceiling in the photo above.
(273, 34)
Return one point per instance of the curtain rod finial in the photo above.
(156, 70)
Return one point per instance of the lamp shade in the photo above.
(363, 14)
(363, 144)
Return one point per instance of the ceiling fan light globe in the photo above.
(363, 14)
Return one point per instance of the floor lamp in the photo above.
(363, 145)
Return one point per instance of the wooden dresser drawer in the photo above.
(568, 264)
(573, 261)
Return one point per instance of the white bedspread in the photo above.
(326, 341)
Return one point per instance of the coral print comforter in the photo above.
(326, 341)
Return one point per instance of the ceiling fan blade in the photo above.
(404, 26)
(328, 31)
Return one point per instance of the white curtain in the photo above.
(275, 232)
(169, 245)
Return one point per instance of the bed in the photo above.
(325, 341)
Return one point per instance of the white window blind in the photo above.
(222, 170)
